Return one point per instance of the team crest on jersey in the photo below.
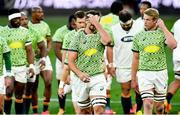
(127, 39)
(152, 49)
(90, 52)
(16, 44)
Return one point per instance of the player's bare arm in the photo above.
(170, 41)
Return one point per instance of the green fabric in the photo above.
(3, 49)
(36, 38)
(67, 40)
(90, 52)
(16, 39)
(7, 58)
(60, 34)
(151, 48)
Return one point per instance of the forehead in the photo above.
(80, 19)
(38, 10)
(147, 17)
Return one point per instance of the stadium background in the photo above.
(56, 12)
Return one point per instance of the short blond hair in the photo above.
(152, 12)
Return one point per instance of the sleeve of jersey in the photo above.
(28, 40)
(74, 45)
(66, 42)
(48, 31)
(5, 46)
(7, 60)
(135, 47)
(57, 37)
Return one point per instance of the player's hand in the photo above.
(31, 71)
(61, 92)
(8, 81)
(134, 85)
(84, 77)
(42, 63)
(94, 19)
(160, 23)
(112, 71)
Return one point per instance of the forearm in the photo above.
(170, 41)
(74, 68)
(134, 68)
(57, 50)
(42, 48)
(49, 44)
(30, 54)
(7, 60)
(109, 54)
(105, 37)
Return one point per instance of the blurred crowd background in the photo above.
(66, 7)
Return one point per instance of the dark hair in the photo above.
(12, 11)
(79, 14)
(124, 16)
(146, 3)
(93, 12)
(116, 7)
(71, 18)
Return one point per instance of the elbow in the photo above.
(174, 45)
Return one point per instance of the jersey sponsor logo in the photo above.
(90, 52)
(152, 49)
(106, 20)
(127, 39)
(16, 44)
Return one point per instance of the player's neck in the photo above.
(35, 21)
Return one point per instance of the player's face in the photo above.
(15, 22)
(24, 21)
(80, 23)
(142, 8)
(127, 26)
(149, 22)
(38, 14)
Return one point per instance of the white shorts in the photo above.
(2, 85)
(96, 87)
(176, 65)
(123, 75)
(59, 69)
(48, 66)
(20, 74)
(73, 82)
(157, 80)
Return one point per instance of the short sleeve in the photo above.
(74, 45)
(57, 37)
(5, 46)
(135, 47)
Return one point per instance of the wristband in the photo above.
(31, 66)
(43, 59)
(110, 65)
(8, 73)
(61, 84)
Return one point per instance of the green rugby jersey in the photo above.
(151, 48)
(16, 39)
(3, 49)
(60, 34)
(35, 38)
(109, 20)
(42, 28)
(90, 52)
(67, 40)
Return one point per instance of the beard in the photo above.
(92, 28)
